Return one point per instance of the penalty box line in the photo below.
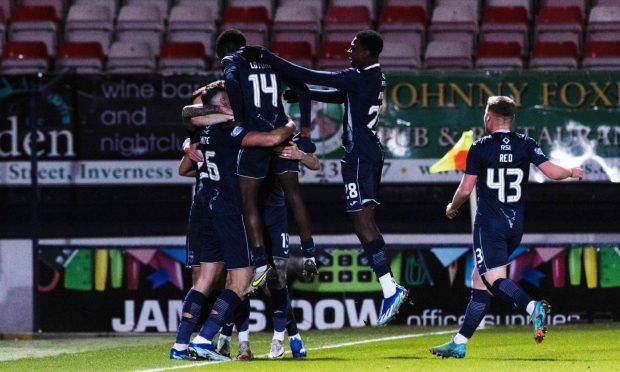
(335, 346)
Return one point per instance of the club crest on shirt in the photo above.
(235, 132)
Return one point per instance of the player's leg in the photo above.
(290, 183)
(294, 338)
(361, 183)
(475, 312)
(234, 248)
(279, 300)
(242, 322)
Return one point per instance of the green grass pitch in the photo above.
(393, 348)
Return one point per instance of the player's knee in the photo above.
(278, 281)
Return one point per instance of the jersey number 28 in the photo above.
(500, 184)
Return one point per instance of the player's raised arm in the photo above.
(196, 116)
(233, 89)
(558, 172)
(468, 182)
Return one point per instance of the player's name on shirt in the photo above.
(259, 65)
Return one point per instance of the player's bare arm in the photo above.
(310, 161)
(558, 172)
(186, 167)
(269, 139)
(468, 182)
(195, 115)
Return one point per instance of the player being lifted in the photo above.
(255, 91)
(498, 166)
(361, 89)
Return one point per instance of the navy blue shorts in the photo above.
(254, 162)
(361, 182)
(233, 242)
(493, 246)
(276, 227)
(202, 243)
(280, 166)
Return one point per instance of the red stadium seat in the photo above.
(505, 18)
(399, 23)
(554, 56)
(341, 23)
(560, 18)
(333, 54)
(58, 5)
(602, 55)
(84, 57)
(182, 57)
(24, 57)
(252, 21)
(35, 23)
(296, 52)
(499, 56)
(34, 13)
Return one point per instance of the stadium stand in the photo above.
(506, 24)
(603, 23)
(341, 23)
(554, 56)
(112, 5)
(127, 57)
(192, 23)
(295, 51)
(24, 57)
(162, 5)
(560, 20)
(90, 22)
(140, 23)
(267, 4)
(400, 56)
(35, 23)
(297, 23)
(182, 57)
(494, 55)
(83, 57)
(318, 5)
(602, 55)
(333, 55)
(404, 24)
(58, 5)
(252, 21)
(371, 5)
(448, 55)
(454, 23)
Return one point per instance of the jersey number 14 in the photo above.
(261, 85)
(500, 184)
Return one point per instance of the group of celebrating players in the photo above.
(246, 160)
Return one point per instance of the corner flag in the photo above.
(456, 157)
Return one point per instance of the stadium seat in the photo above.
(499, 56)
(603, 23)
(267, 4)
(581, 4)
(35, 23)
(2, 29)
(370, 4)
(512, 4)
(333, 55)
(602, 55)
(182, 58)
(189, 23)
(252, 21)
(58, 5)
(341, 23)
(473, 5)
(112, 5)
(408, 20)
(421, 3)
(454, 23)
(501, 23)
(140, 23)
(447, 55)
(399, 56)
(507, 37)
(24, 57)
(554, 56)
(215, 6)
(83, 57)
(318, 5)
(127, 57)
(567, 20)
(561, 37)
(297, 52)
(297, 23)
(5, 6)
(86, 22)
(162, 5)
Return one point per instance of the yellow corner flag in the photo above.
(455, 158)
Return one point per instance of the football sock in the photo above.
(227, 329)
(291, 322)
(259, 257)
(510, 292)
(459, 339)
(244, 336)
(180, 347)
(476, 310)
(530, 307)
(307, 246)
(206, 309)
(375, 252)
(192, 305)
(387, 285)
(279, 299)
(225, 304)
(278, 335)
(295, 337)
(242, 318)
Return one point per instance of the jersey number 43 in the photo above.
(510, 176)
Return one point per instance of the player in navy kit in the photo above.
(219, 191)
(254, 91)
(498, 165)
(361, 89)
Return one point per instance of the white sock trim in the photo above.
(387, 285)
(244, 336)
(201, 340)
(278, 335)
(180, 347)
(530, 307)
(459, 339)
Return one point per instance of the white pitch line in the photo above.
(345, 344)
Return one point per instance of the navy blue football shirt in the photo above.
(254, 91)
(363, 96)
(502, 163)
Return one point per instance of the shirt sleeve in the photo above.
(345, 80)
(233, 89)
(537, 156)
(238, 134)
(472, 164)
